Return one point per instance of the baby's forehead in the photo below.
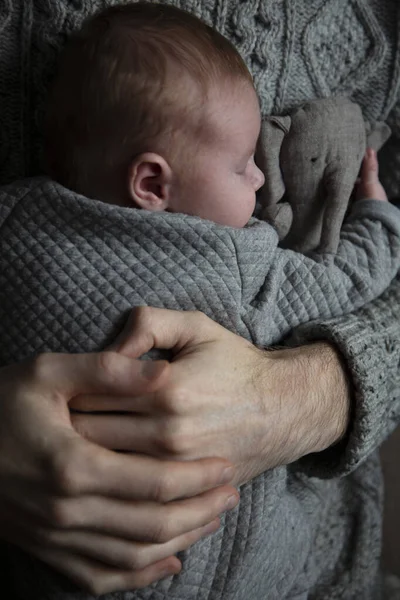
(234, 112)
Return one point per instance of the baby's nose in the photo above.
(259, 179)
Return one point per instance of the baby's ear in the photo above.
(149, 182)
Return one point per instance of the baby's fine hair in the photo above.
(131, 80)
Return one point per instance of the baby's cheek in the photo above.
(247, 204)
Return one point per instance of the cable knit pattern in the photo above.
(296, 50)
(362, 46)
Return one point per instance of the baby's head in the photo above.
(153, 109)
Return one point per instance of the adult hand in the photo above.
(106, 520)
(223, 397)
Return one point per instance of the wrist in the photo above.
(314, 398)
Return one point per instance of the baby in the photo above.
(155, 114)
(153, 109)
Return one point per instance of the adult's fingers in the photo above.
(144, 521)
(122, 553)
(149, 327)
(97, 579)
(87, 469)
(120, 432)
(107, 403)
(145, 434)
(63, 376)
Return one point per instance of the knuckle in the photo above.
(41, 366)
(172, 434)
(40, 363)
(80, 424)
(142, 317)
(134, 560)
(164, 490)
(63, 474)
(93, 583)
(41, 370)
(107, 364)
(171, 440)
(161, 531)
(58, 515)
(174, 401)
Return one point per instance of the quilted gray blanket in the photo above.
(72, 268)
(297, 50)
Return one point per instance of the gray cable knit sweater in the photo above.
(297, 50)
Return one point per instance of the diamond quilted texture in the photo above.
(81, 279)
(72, 268)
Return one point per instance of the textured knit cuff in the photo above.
(369, 342)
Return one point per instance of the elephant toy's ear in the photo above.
(283, 123)
(378, 134)
(273, 131)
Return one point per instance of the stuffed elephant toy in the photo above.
(311, 160)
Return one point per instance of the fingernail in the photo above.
(227, 475)
(231, 502)
(169, 573)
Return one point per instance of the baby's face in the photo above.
(222, 179)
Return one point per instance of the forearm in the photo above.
(311, 384)
(369, 342)
(261, 409)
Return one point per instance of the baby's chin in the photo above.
(234, 221)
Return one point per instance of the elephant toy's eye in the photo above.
(314, 159)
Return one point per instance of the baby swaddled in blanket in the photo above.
(151, 135)
(155, 114)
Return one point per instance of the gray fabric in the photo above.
(311, 159)
(72, 268)
(298, 50)
(369, 341)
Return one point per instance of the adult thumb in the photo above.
(161, 328)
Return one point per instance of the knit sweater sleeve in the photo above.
(299, 289)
